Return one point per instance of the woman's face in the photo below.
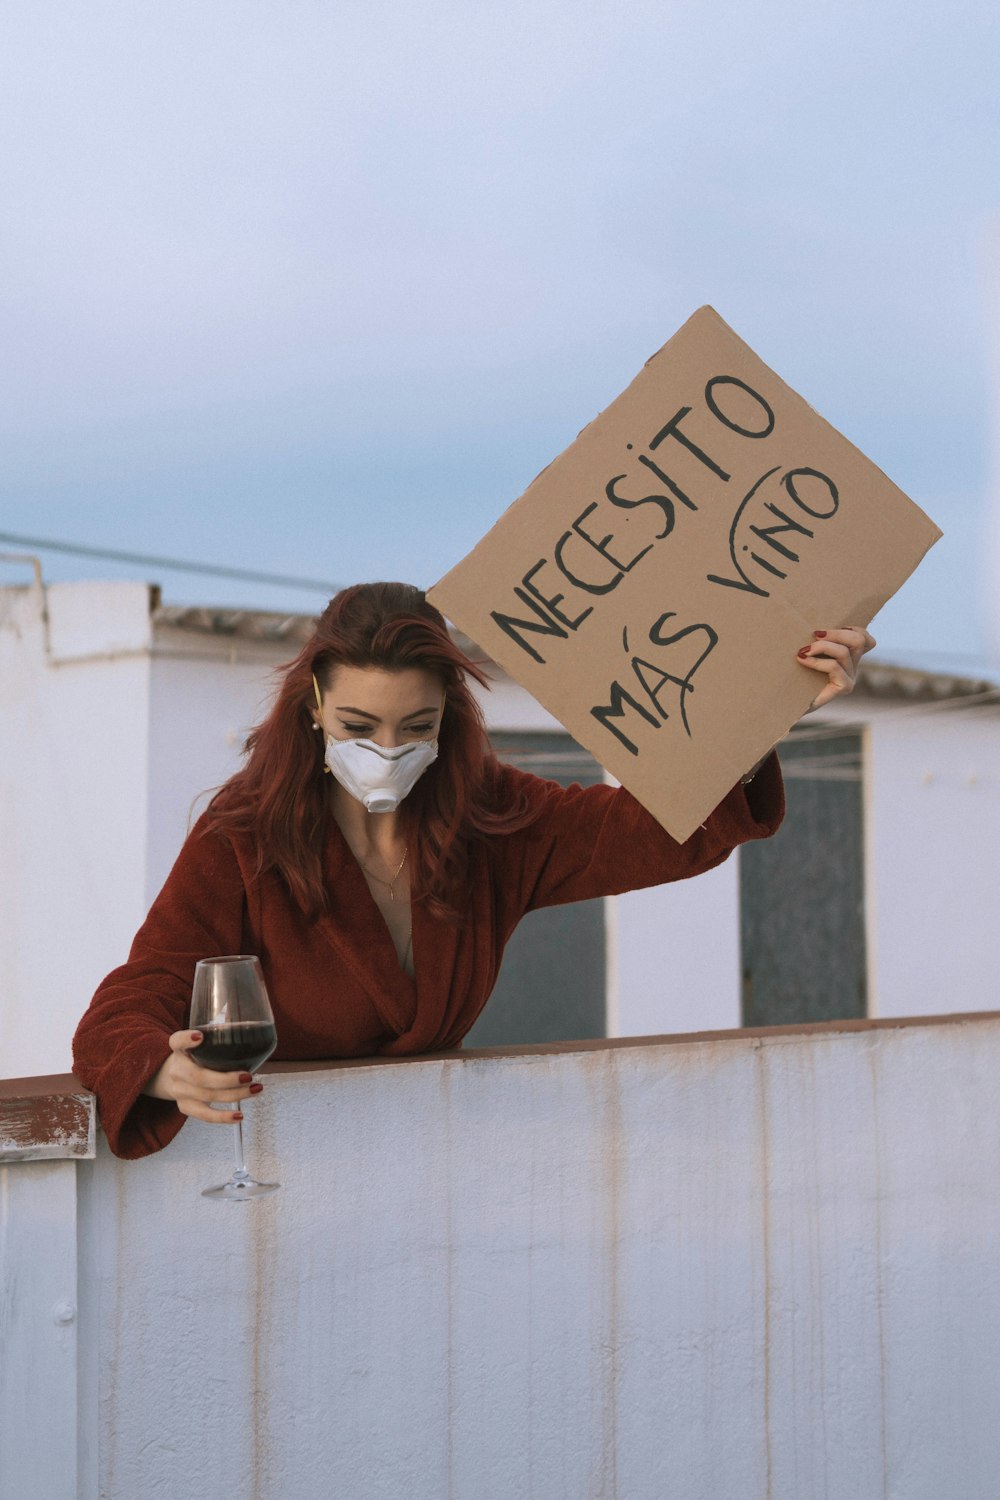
(391, 708)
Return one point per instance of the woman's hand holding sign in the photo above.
(836, 653)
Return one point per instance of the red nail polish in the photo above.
(804, 651)
(255, 1088)
(246, 1078)
(237, 1116)
(820, 634)
(196, 1036)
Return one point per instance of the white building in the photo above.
(748, 1264)
(118, 714)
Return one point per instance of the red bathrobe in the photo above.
(336, 986)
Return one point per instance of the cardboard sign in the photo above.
(652, 586)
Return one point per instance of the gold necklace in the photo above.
(381, 878)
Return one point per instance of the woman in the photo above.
(377, 857)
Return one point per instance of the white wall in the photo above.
(677, 955)
(934, 861)
(110, 740)
(735, 1268)
(74, 705)
(204, 698)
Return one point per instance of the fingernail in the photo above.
(246, 1078)
(196, 1036)
(238, 1116)
(820, 634)
(805, 651)
(255, 1088)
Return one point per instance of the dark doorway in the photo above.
(802, 896)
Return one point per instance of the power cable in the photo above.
(180, 565)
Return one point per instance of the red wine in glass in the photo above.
(231, 1009)
(235, 1046)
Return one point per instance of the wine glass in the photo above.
(229, 1006)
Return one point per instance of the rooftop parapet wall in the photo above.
(749, 1265)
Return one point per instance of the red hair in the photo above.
(280, 795)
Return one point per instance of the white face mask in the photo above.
(377, 777)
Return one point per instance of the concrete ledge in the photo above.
(66, 1085)
(610, 1044)
(54, 1116)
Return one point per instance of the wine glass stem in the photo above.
(241, 1166)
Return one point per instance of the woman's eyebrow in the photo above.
(362, 713)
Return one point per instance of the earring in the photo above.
(315, 725)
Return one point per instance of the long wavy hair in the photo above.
(280, 794)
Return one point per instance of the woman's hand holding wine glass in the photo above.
(232, 1032)
(193, 1088)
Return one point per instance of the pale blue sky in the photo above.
(317, 289)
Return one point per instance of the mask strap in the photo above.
(319, 705)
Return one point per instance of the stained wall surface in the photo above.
(758, 1266)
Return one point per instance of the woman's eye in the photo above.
(420, 729)
(358, 728)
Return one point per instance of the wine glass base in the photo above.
(236, 1191)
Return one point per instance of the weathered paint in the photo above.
(39, 1122)
(757, 1265)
